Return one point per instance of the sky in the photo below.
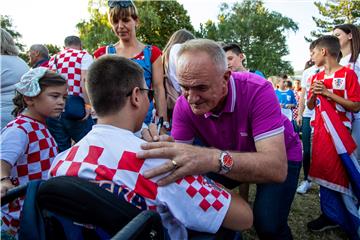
(49, 21)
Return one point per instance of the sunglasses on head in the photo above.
(150, 93)
(120, 3)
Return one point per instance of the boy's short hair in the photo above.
(331, 43)
(109, 80)
(235, 48)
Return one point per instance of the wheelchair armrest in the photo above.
(14, 193)
(145, 222)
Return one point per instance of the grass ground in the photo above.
(304, 209)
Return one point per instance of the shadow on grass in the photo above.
(304, 209)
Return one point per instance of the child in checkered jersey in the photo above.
(120, 97)
(27, 147)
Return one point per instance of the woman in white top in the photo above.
(12, 68)
(170, 51)
(349, 37)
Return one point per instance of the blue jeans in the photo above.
(306, 141)
(272, 205)
(64, 130)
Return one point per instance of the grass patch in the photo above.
(304, 209)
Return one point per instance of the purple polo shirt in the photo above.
(251, 113)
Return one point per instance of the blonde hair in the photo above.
(117, 13)
(8, 46)
(180, 36)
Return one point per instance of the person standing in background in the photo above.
(38, 56)
(72, 63)
(12, 68)
(349, 37)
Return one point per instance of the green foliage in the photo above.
(6, 24)
(335, 12)
(53, 49)
(260, 33)
(158, 20)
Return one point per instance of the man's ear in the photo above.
(324, 51)
(242, 57)
(227, 75)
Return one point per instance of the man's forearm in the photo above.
(257, 167)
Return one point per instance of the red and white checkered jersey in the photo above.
(69, 64)
(109, 153)
(343, 83)
(27, 145)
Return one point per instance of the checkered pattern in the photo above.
(203, 192)
(34, 164)
(343, 83)
(296, 109)
(69, 66)
(92, 167)
(108, 154)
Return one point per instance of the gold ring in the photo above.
(174, 163)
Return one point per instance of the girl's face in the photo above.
(125, 28)
(49, 103)
(344, 38)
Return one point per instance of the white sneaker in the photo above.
(304, 187)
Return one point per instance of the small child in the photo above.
(27, 147)
(286, 97)
(338, 86)
(118, 93)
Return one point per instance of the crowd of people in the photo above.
(206, 125)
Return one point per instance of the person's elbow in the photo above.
(281, 166)
(356, 107)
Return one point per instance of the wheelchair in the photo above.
(72, 208)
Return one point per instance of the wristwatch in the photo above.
(226, 162)
(166, 125)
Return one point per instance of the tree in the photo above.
(158, 20)
(260, 33)
(6, 24)
(335, 12)
(53, 49)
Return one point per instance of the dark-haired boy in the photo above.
(338, 86)
(119, 95)
(235, 57)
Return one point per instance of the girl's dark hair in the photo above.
(355, 40)
(50, 79)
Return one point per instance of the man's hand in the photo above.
(151, 134)
(6, 185)
(185, 160)
(299, 120)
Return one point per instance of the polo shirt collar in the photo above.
(230, 100)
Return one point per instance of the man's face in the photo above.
(202, 84)
(33, 57)
(234, 61)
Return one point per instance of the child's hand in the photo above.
(319, 88)
(5, 186)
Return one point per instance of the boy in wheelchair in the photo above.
(119, 95)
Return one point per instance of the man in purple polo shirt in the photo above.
(238, 116)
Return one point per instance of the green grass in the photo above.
(304, 209)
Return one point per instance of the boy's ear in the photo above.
(29, 100)
(324, 51)
(135, 97)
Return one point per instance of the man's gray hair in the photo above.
(213, 49)
(72, 41)
(42, 49)
(8, 46)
